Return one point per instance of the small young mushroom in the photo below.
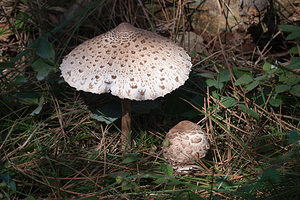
(185, 144)
(128, 62)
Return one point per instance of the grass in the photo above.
(51, 147)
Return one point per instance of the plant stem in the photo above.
(126, 123)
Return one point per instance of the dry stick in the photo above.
(176, 20)
(229, 68)
(7, 136)
(263, 112)
(146, 14)
(23, 145)
(265, 50)
(217, 152)
(78, 173)
(164, 13)
(59, 115)
(106, 147)
(231, 12)
(126, 123)
(228, 138)
(12, 26)
(295, 8)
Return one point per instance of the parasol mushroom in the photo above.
(128, 62)
(184, 145)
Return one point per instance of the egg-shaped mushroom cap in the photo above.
(185, 144)
(129, 62)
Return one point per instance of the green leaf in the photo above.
(9, 182)
(44, 48)
(20, 79)
(166, 143)
(293, 35)
(215, 95)
(126, 185)
(131, 157)
(295, 90)
(167, 170)
(42, 68)
(249, 111)
(295, 60)
(210, 82)
(281, 88)
(272, 175)
(252, 85)
(289, 28)
(228, 102)
(275, 101)
(28, 97)
(119, 179)
(239, 72)
(214, 83)
(293, 66)
(108, 113)
(293, 137)
(244, 79)
(289, 78)
(224, 76)
(205, 75)
(39, 108)
(103, 118)
(293, 50)
(267, 66)
(162, 180)
(30, 198)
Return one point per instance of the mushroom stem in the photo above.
(126, 123)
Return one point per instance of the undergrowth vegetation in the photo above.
(59, 143)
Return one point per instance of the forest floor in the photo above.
(244, 89)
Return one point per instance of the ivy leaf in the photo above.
(295, 90)
(214, 83)
(42, 68)
(39, 108)
(28, 97)
(167, 169)
(281, 88)
(205, 75)
(244, 79)
(224, 76)
(267, 66)
(293, 137)
(294, 65)
(271, 175)
(289, 28)
(252, 85)
(20, 79)
(249, 111)
(108, 113)
(9, 182)
(293, 35)
(275, 101)
(131, 157)
(293, 50)
(44, 48)
(228, 102)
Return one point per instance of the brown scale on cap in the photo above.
(108, 63)
(185, 144)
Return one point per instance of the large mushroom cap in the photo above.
(128, 62)
(185, 144)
